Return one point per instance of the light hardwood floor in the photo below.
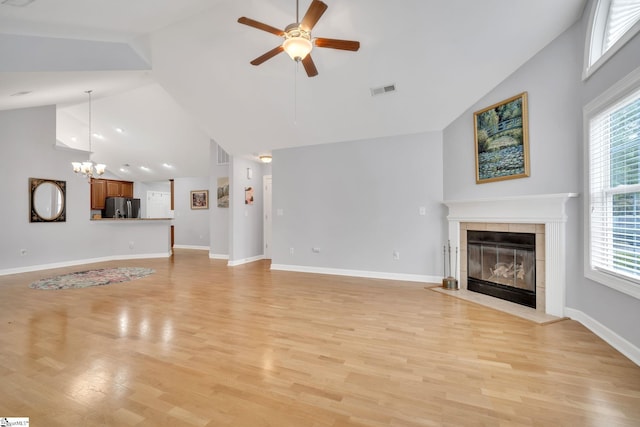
(201, 344)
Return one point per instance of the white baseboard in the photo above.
(73, 263)
(199, 248)
(245, 260)
(614, 340)
(218, 256)
(359, 273)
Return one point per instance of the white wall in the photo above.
(219, 224)
(191, 226)
(49, 54)
(27, 138)
(557, 95)
(552, 81)
(246, 234)
(358, 202)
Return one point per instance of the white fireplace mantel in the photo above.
(521, 209)
(547, 209)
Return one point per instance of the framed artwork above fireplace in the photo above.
(502, 140)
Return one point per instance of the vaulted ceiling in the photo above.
(171, 75)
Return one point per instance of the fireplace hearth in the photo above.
(503, 265)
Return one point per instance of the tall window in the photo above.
(613, 124)
(613, 23)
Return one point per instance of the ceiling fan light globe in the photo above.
(297, 47)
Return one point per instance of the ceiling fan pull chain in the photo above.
(295, 93)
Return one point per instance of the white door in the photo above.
(266, 183)
(158, 204)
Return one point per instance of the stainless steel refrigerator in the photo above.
(121, 207)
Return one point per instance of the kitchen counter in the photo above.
(130, 219)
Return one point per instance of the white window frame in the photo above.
(620, 90)
(594, 57)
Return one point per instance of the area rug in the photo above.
(99, 277)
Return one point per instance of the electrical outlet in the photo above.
(422, 210)
(396, 255)
(290, 251)
(131, 244)
(315, 250)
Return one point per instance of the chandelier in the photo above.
(88, 168)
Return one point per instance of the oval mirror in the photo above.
(47, 200)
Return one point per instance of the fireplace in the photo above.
(503, 265)
(544, 214)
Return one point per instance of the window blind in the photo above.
(615, 188)
(623, 14)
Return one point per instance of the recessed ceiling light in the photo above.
(119, 130)
(97, 135)
(74, 139)
(144, 168)
(167, 165)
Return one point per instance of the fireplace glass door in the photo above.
(505, 266)
(502, 265)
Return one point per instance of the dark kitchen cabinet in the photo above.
(103, 188)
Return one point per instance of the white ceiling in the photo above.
(442, 55)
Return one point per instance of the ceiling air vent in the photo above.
(383, 89)
(223, 156)
(17, 3)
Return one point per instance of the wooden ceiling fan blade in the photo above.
(337, 44)
(315, 11)
(309, 66)
(262, 58)
(261, 26)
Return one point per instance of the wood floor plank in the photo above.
(202, 344)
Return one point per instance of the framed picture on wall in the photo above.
(200, 199)
(248, 195)
(502, 140)
(223, 192)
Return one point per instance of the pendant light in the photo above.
(88, 168)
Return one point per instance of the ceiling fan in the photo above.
(297, 38)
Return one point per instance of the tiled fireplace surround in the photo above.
(543, 215)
